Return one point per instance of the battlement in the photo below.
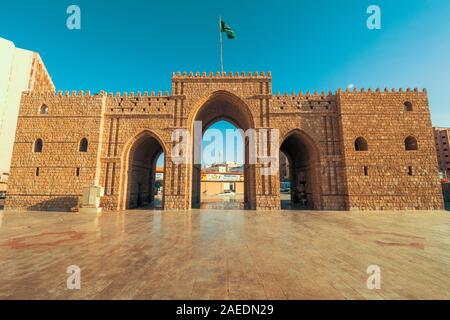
(82, 93)
(304, 102)
(60, 93)
(330, 95)
(378, 90)
(139, 94)
(307, 95)
(222, 75)
(324, 95)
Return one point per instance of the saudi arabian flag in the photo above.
(226, 28)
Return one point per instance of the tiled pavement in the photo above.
(218, 254)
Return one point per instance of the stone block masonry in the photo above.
(366, 150)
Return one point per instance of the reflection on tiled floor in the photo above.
(230, 201)
(216, 254)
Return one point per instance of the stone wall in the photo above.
(396, 178)
(70, 118)
(323, 126)
(316, 116)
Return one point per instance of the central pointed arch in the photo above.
(224, 105)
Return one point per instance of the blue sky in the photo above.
(308, 45)
(217, 147)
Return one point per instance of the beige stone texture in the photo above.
(317, 132)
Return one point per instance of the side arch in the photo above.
(303, 155)
(138, 167)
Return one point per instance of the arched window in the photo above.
(410, 144)
(44, 109)
(83, 145)
(407, 106)
(361, 144)
(38, 144)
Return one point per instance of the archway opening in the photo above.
(222, 148)
(222, 170)
(299, 184)
(145, 174)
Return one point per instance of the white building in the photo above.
(20, 70)
(224, 167)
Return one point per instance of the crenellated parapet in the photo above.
(88, 93)
(327, 101)
(304, 102)
(138, 94)
(148, 103)
(230, 75)
(165, 102)
(382, 100)
(378, 90)
(221, 75)
(68, 102)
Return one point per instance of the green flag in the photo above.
(226, 28)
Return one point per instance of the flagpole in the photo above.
(220, 33)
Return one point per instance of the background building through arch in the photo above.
(222, 171)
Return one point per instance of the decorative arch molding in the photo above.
(232, 100)
(143, 133)
(306, 138)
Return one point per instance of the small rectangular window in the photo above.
(366, 171)
(77, 172)
(37, 172)
(410, 171)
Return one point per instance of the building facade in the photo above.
(347, 150)
(20, 70)
(221, 182)
(441, 136)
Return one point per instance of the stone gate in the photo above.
(367, 150)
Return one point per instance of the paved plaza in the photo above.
(225, 254)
